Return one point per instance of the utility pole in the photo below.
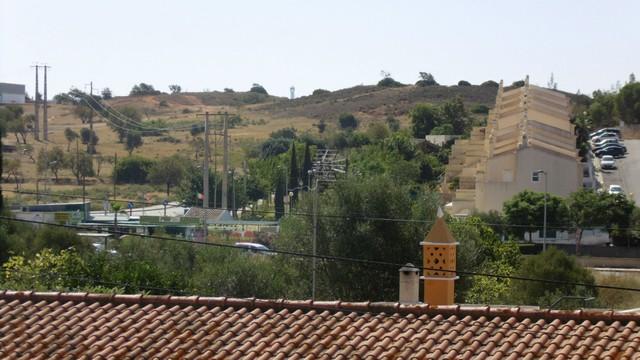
(225, 161)
(115, 175)
(45, 118)
(36, 125)
(215, 169)
(205, 176)
(90, 145)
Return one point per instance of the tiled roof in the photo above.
(98, 326)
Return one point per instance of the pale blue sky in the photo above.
(323, 44)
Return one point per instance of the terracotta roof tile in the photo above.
(81, 325)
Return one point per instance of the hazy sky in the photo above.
(321, 44)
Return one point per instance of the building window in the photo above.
(535, 176)
(551, 234)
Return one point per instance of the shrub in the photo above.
(426, 79)
(133, 170)
(389, 82)
(490, 83)
(163, 103)
(186, 111)
(517, 84)
(228, 90)
(257, 88)
(464, 83)
(348, 122)
(479, 109)
(320, 92)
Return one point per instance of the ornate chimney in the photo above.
(439, 254)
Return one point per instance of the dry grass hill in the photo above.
(262, 114)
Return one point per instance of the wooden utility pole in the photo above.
(36, 103)
(115, 175)
(225, 161)
(45, 118)
(205, 167)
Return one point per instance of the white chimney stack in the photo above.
(409, 284)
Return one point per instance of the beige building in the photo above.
(528, 130)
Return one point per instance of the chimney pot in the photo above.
(409, 284)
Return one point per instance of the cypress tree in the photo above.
(294, 173)
(279, 197)
(307, 165)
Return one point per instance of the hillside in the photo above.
(261, 114)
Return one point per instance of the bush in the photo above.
(284, 133)
(464, 83)
(143, 89)
(163, 103)
(320, 92)
(168, 139)
(187, 111)
(389, 82)
(490, 83)
(133, 170)
(444, 129)
(426, 79)
(479, 109)
(348, 122)
(517, 84)
(257, 88)
(228, 90)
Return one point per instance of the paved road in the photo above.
(628, 173)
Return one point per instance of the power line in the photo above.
(125, 119)
(374, 263)
(356, 217)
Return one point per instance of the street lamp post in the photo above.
(544, 224)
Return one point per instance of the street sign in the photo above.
(165, 202)
(130, 205)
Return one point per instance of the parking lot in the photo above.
(627, 173)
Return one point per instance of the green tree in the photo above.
(378, 131)
(454, 113)
(133, 141)
(106, 94)
(393, 123)
(526, 211)
(426, 79)
(321, 125)
(481, 250)
(143, 89)
(83, 112)
(553, 265)
(167, 171)
(307, 165)
(424, 117)
(347, 122)
(259, 89)
(294, 173)
(80, 164)
(133, 170)
(50, 160)
(490, 83)
(175, 89)
(603, 109)
(71, 136)
(628, 103)
(90, 138)
(280, 192)
(20, 125)
(48, 270)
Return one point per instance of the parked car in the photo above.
(605, 141)
(254, 248)
(615, 189)
(604, 130)
(607, 162)
(607, 135)
(615, 151)
(610, 145)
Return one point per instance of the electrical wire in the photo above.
(125, 118)
(374, 263)
(351, 217)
